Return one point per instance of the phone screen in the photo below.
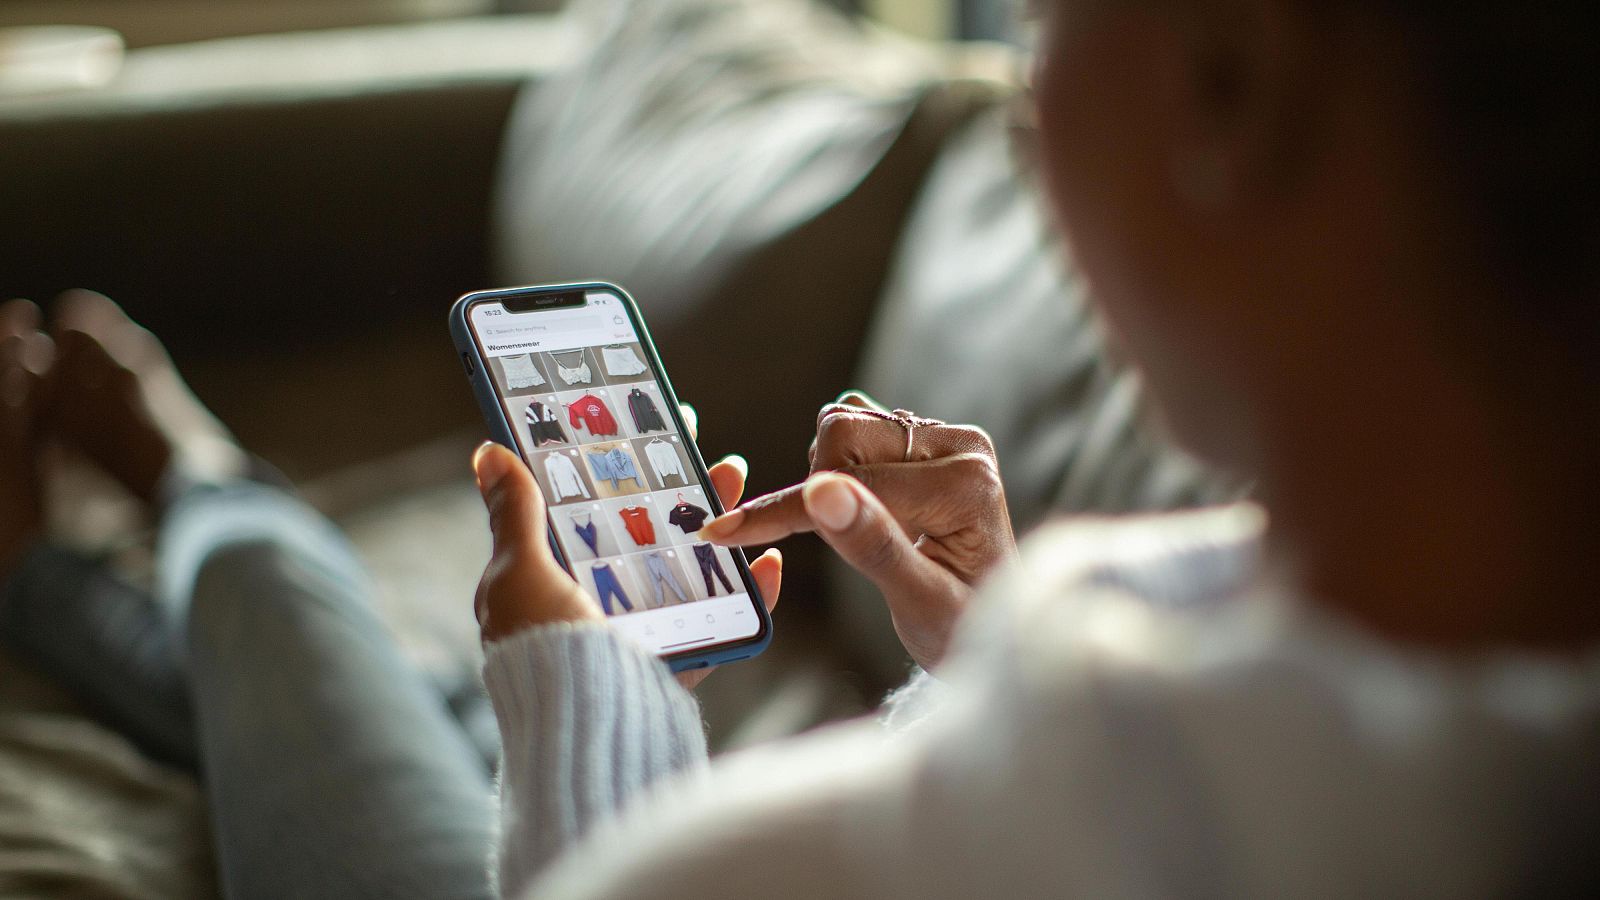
(594, 421)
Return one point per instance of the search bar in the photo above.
(545, 325)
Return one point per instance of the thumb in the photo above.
(516, 508)
(523, 584)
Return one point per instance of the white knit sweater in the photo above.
(1131, 712)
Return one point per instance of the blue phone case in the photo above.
(500, 432)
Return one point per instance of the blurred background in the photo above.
(144, 23)
(804, 198)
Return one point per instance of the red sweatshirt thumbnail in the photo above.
(592, 413)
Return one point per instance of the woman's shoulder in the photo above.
(1123, 584)
(1185, 613)
(1160, 668)
(1173, 560)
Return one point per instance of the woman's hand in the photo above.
(523, 585)
(919, 510)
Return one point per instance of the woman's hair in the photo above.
(1513, 87)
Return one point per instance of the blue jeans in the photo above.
(332, 766)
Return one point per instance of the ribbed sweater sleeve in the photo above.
(587, 719)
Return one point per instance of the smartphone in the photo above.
(567, 376)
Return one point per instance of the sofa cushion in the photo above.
(693, 133)
(83, 813)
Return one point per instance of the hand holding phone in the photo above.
(567, 376)
(522, 586)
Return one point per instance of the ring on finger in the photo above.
(906, 419)
(911, 422)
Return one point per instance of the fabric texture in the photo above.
(85, 812)
(549, 686)
(696, 133)
(1137, 707)
(342, 774)
(261, 579)
(67, 614)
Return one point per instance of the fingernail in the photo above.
(831, 502)
(722, 525)
(738, 462)
(490, 467)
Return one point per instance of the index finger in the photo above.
(767, 518)
(935, 496)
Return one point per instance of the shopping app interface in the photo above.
(626, 504)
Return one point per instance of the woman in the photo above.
(1350, 246)
(1306, 220)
